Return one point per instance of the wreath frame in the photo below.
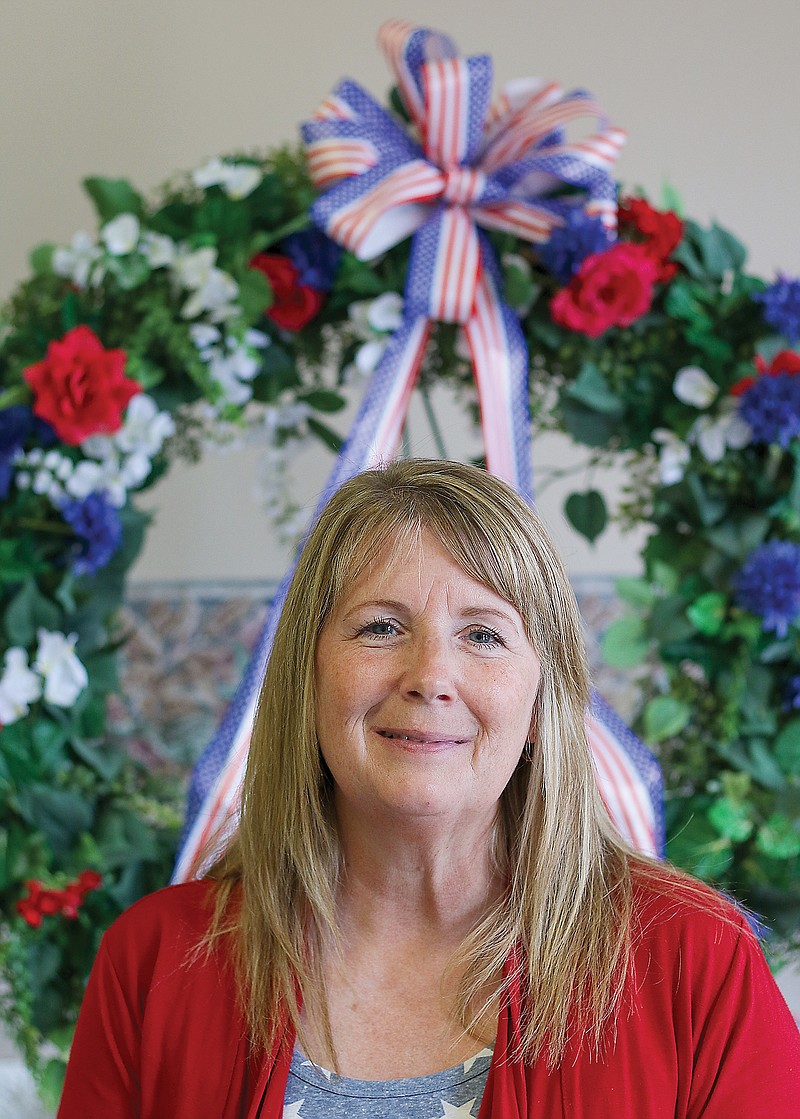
(284, 318)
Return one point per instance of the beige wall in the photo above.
(707, 89)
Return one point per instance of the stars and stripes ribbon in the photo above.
(477, 166)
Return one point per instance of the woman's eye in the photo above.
(379, 627)
(484, 637)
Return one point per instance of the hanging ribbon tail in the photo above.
(500, 361)
(629, 777)
(216, 783)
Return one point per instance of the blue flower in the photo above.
(793, 693)
(769, 585)
(781, 303)
(771, 406)
(17, 424)
(315, 256)
(569, 245)
(97, 524)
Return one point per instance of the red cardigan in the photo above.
(707, 1034)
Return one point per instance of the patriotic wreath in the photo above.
(253, 296)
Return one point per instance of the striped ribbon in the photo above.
(477, 167)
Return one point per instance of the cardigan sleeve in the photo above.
(746, 1045)
(103, 1076)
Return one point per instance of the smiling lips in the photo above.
(430, 740)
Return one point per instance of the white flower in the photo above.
(215, 296)
(257, 338)
(692, 385)
(159, 250)
(110, 475)
(145, 428)
(367, 356)
(191, 269)
(121, 234)
(204, 335)
(79, 261)
(212, 289)
(714, 437)
(64, 675)
(19, 687)
(673, 456)
(232, 371)
(385, 313)
(376, 316)
(236, 179)
(86, 478)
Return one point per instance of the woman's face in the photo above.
(425, 688)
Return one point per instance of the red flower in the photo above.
(612, 288)
(787, 361)
(42, 902)
(80, 387)
(660, 231)
(294, 304)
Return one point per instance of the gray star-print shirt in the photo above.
(315, 1093)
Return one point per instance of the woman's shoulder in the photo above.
(170, 921)
(683, 920)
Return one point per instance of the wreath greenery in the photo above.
(214, 308)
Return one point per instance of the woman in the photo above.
(426, 910)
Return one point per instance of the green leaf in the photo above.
(699, 848)
(51, 1082)
(41, 259)
(707, 613)
(671, 199)
(664, 717)
(104, 759)
(737, 539)
(323, 400)
(519, 290)
(787, 747)
(587, 513)
(357, 278)
(731, 819)
(585, 425)
(112, 197)
(27, 612)
(591, 389)
(763, 765)
(636, 592)
(779, 837)
(255, 294)
(130, 271)
(325, 434)
(624, 643)
(60, 814)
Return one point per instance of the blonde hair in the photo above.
(565, 917)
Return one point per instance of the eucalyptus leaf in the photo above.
(28, 611)
(41, 259)
(323, 400)
(707, 613)
(779, 837)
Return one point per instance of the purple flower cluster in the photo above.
(569, 245)
(793, 693)
(781, 303)
(96, 522)
(315, 256)
(771, 406)
(769, 585)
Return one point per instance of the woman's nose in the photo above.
(429, 672)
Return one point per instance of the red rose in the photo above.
(80, 388)
(294, 304)
(612, 288)
(660, 232)
(42, 902)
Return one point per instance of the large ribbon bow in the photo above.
(506, 166)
